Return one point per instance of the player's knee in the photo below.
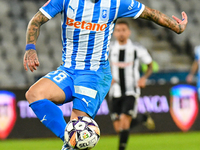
(33, 95)
(30, 96)
(125, 126)
(125, 121)
(116, 128)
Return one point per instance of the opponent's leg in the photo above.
(141, 119)
(144, 119)
(42, 97)
(125, 121)
(128, 112)
(116, 125)
(115, 111)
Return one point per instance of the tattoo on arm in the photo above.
(161, 19)
(30, 54)
(33, 29)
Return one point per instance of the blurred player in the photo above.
(125, 57)
(84, 77)
(195, 66)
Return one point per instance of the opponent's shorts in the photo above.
(87, 89)
(123, 105)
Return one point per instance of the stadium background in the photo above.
(172, 52)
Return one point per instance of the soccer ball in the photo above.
(82, 133)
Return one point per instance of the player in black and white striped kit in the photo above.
(125, 57)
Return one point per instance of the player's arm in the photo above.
(192, 71)
(149, 70)
(156, 16)
(33, 30)
(113, 81)
(142, 80)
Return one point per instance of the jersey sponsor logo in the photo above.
(104, 13)
(8, 113)
(85, 91)
(86, 25)
(122, 64)
(184, 106)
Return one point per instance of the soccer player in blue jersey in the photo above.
(84, 77)
(195, 68)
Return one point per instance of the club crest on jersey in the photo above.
(104, 13)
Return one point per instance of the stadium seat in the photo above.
(15, 15)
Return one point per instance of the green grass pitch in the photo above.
(164, 141)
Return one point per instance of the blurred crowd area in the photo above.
(171, 51)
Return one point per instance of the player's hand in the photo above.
(189, 78)
(142, 82)
(182, 23)
(31, 60)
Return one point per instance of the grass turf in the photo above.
(164, 141)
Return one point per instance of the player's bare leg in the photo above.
(116, 125)
(45, 89)
(75, 113)
(125, 121)
(43, 97)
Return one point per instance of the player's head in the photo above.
(122, 31)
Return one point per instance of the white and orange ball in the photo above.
(82, 133)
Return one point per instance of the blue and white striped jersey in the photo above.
(197, 58)
(87, 26)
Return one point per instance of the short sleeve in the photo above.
(144, 55)
(196, 52)
(51, 8)
(130, 8)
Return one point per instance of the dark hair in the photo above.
(122, 22)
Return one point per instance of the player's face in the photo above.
(121, 32)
